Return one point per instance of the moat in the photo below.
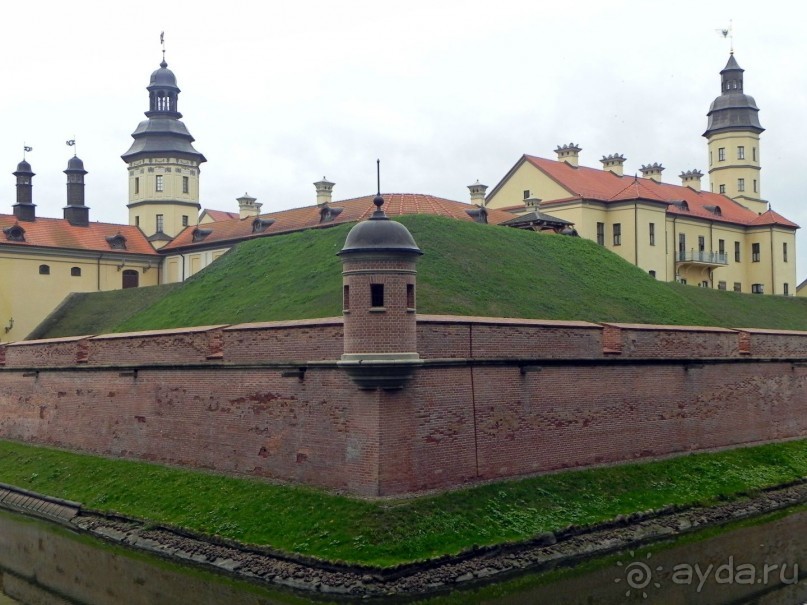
(761, 563)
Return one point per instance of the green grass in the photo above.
(467, 269)
(387, 533)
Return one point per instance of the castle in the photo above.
(724, 239)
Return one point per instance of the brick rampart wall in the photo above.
(494, 399)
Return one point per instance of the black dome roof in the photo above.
(379, 234)
(75, 163)
(23, 166)
(163, 77)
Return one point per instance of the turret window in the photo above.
(741, 184)
(755, 185)
(160, 220)
(722, 189)
(754, 153)
(740, 152)
(137, 185)
(158, 184)
(721, 154)
(185, 184)
(377, 295)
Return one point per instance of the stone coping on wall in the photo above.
(668, 327)
(506, 321)
(773, 331)
(46, 341)
(165, 332)
(290, 323)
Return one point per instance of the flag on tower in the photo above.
(71, 142)
(26, 148)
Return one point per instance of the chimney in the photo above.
(76, 213)
(568, 153)
(532, 204)
(614, 162)
(478, 193)
(247, 206)
(324, 191)
(652, 171)
(692, 179)
(24, 209)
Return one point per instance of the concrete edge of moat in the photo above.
(470, 569)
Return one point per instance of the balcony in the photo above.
(701, 258)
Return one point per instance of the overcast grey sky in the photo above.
(279, 94)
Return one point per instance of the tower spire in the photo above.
(162, 43)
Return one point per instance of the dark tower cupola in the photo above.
(24, 209)
(76, 213)
(733, 110)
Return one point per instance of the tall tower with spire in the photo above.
(733, 141)
(163, 165)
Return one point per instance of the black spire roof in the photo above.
(733, 110)
(163, 133)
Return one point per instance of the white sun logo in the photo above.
(638, 575)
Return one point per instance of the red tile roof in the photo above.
(58, 233)
(355, 209)
(221, 215)
(605, 186)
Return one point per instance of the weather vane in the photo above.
(162, 42)
(728, 33)
(26, 149)
(72, 143)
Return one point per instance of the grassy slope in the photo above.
(387, 533)
(467, 269)
(98, 312)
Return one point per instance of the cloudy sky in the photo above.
(279, 94)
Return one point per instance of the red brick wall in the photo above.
(468, 418)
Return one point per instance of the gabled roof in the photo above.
(58, 233)
(219, 215)
(604, 186)
(308, 217)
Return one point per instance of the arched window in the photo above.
(44, 269)
(75, 271)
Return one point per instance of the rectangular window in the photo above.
(721, 246)
(710, 158)
(721, 285)
(757, 289)
(682, 245)
(701, 243)
(185, 184)
(652, 234)
(755, 186)
(159, 221)
(617, 234)
(736, 252)
(722, 189)
(754, 153)
(738, 287)
(410, 296)
(652, 274)
(376, 295)
(137, 221)
(740, 184)
(137, 184)
(740, 152)
(786, 290)
(784, 251)
(721, 154)
(184, 220)
(158, 182)
(754, 253)
(526, 194)
(601, 234)
(346, 298)
(704, 284)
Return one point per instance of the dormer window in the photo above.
(200, 234)
(328, 213)
(259, 225)
(15, 233)
(116, 242)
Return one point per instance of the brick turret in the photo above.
(380, 326)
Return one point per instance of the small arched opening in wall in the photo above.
(131, 279)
